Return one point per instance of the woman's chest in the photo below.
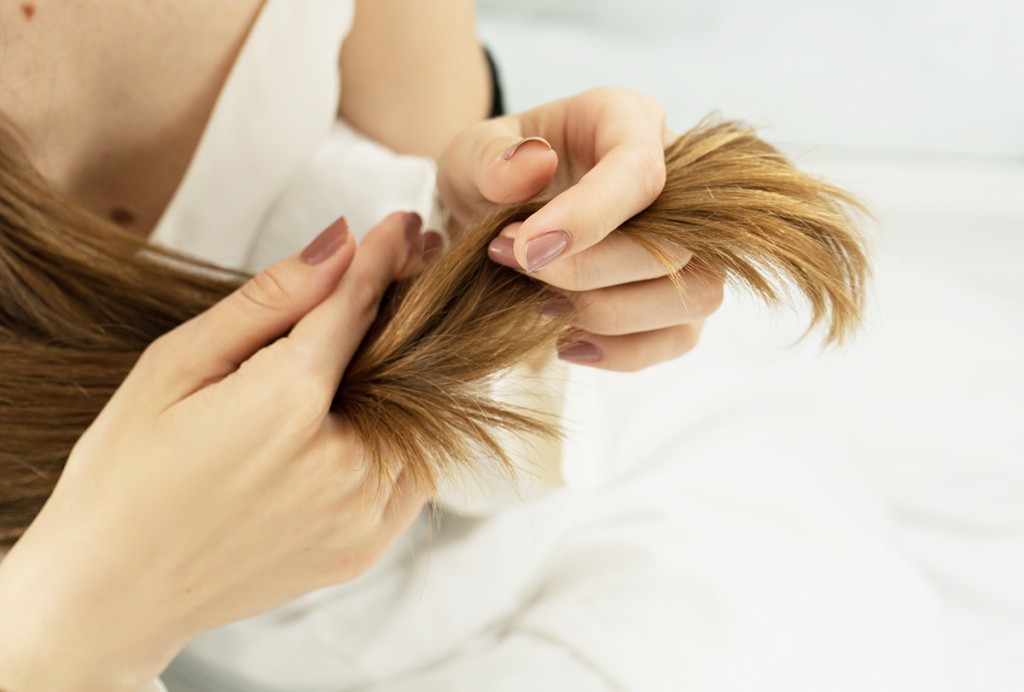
(112, 99)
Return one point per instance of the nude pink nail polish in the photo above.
(545, 249)
(326, 244)
(501, 251)
(580, 352)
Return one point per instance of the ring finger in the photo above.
(630, 352)
(644, 305)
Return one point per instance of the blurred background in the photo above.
(939, 77)
(917, 107)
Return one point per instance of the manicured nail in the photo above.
(433, 246)
(542, 145)
(500, 251)
(327, 243)
(580, 352)
(413, 226)
(545, 248)
(558, 307)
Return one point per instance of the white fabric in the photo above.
(928, 76)
(926, 407)
(739, 545)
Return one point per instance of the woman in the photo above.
(215, 485)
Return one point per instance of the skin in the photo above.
(604, 145)
(221, 424)
(61, 69)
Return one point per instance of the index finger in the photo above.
(626, 141)
(330, 333)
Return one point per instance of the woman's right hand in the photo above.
(215, 484)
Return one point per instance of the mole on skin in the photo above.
(28, 9)
(122, 216)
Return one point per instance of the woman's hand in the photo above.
(600, 156)
(215, 484)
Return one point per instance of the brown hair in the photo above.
(81, 298)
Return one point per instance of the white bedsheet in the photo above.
(782, 520)
(902, 452)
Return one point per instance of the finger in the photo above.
(625, 145)
(405, 504)
(383, 528)
(642, 306)
(361, 485)
(630, 352)
(492, 162)
(615, 260)
(214, 343)
(330, 334)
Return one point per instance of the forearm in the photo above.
(62, 631)
(413, 73)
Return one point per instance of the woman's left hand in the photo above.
(600, 157)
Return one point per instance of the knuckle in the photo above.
(608, 93)
(168, 357)
(160, 350)
(681, 255)
(682, 340)
(265, 292)
(652, 104)
(364, 297)
(715, 296)
(650, 169)
(597, 94)
(707, 296)
(361, 544)
(305, 395)
(612, 317)
(360, 562)
(348, 564)
(308, 398)
(577, 273)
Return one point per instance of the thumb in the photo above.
(493, 163)
(214, 343)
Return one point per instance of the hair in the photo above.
(81, 298)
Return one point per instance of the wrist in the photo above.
(59, 630)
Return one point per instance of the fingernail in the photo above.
(545, 248)
(327, 243)
(558, 307)
(433, 246)
(413, 226)
(580, 352)
(500, 251)
(542, 145)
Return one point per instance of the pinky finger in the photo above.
(405, 504)
(630, 352)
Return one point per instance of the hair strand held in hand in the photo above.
(730, 198)
(81, 299)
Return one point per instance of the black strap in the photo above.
(497, 97)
